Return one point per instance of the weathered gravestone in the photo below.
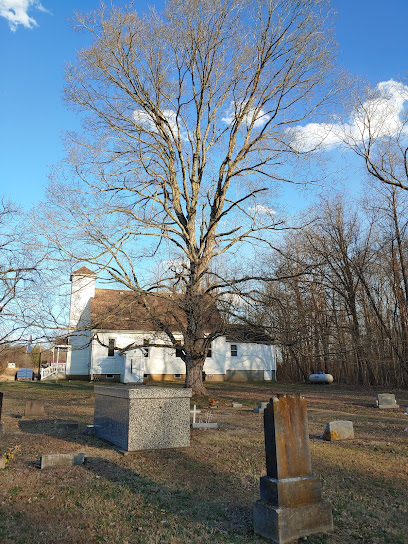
(66, 426)
(34, 408)
(386, 401)
(53, 460)
(339, 430)
(291, 506)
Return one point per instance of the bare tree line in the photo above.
(342, 307)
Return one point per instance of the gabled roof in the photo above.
(113, 309)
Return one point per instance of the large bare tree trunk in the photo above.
(194, 375)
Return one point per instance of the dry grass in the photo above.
(204, 493)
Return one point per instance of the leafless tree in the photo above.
(186, 134)
(341, 304)
(19, 269)
(377, 130)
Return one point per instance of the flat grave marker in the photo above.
(66, 426)
(54, 460)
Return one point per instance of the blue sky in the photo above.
(372, 37)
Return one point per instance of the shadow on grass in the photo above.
(218, 503)
(192, 489)
(55, 428)
(214, 514)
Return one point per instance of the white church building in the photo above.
(103, 322)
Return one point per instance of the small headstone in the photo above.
(291, 506)
(2, 462)
(34, 408)
(339, 430)
(236, 405)
(66, 426)
(61, 460)
(260, 409)
(386, 401)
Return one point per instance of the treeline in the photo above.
(340, 304)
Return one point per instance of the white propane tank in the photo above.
(320, 378)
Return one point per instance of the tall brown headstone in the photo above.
(291, 505)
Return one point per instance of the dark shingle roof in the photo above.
(113, 309)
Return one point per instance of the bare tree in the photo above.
(187, 133)
(18, 271)
(340, 305)
(377, 131)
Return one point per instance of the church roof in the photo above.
(113, 309)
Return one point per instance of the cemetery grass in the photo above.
(204, 493)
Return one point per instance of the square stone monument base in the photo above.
(284, 525)
(143, 417)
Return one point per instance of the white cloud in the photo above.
(142, 118)
(16, 12)
(261, 117)
(379, 116)
(260, 208)
(175, 264)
